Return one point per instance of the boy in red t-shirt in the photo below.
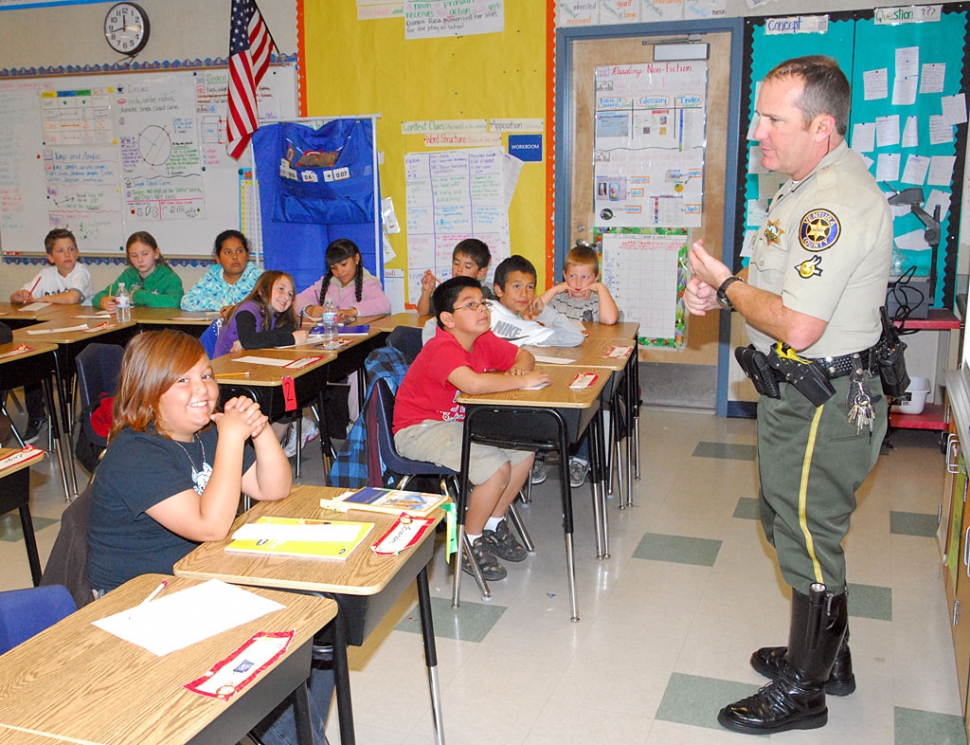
(465, 355)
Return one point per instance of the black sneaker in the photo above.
(34, 428)
(504, 544)
(492, 571)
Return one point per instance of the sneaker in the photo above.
(288, 442)
(492, 571)
(503, 543)
(310, 431)
(34, 428)
(577, 472)
(538, 472)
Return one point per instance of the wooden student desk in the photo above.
(39, 365)
(364, 585)
(76, 683)
(264, 384)
(15, 495)
(594, 353)
(193, 323)
(69, 346)
(409, 318)
(549, 418)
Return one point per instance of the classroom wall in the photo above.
(72, 35)
(503, 69)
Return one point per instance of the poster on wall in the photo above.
(649, 144)
(647, 271)
(453, 195)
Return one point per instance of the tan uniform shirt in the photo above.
(826, 248)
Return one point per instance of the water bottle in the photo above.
(123, 300)
(329, 322)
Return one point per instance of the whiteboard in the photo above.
(106, 155)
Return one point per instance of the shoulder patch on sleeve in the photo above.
(819, 230)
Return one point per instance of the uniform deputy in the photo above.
(817, 277)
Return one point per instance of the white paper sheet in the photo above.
(174, 621)
(271, 361)
(34, 306)
(38, 332)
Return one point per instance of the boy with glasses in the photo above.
(465, 355)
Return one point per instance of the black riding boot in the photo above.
(796, 699)
(770, 661)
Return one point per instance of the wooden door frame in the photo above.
(565, 126)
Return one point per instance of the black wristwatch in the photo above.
(722, 299)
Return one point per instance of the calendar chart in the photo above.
(645, 275)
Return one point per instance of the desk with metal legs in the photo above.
(27, 362)
(364, 585)
(69, 346)
(550, 418)
(76, 683)
(264, 384)
(15, 495)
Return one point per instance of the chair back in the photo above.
(68, 561)
(24, 613)
(384, 409)
(209, 338)
(407, 340)
(98, 372)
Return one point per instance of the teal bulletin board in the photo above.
(861, 45)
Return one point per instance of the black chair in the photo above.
(407, 340)
(68, 561)
(382, 400)
(98, 374)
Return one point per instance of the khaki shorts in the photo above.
(440, 442)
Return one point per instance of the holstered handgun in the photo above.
(755, 366)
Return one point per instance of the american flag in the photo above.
(250, 47)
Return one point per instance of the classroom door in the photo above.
(585, 55)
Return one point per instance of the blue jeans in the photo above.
(279, 726)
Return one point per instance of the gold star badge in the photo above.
(774, 232)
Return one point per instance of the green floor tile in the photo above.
(747, 508)
(677, 549)
(913, 523)
(915, 727)
(724, 451)
(470, 622)
(691, 699)
(871, 601)
(11, 530)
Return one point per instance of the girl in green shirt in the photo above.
(149, 279)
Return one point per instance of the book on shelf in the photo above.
(387, 501)
(293, 536)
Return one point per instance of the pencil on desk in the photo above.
(244, 374)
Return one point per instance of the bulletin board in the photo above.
(108, 154)
(876, 56)
(463, 93)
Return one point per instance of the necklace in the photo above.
(199, 477)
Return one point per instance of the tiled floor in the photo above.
(668, 622)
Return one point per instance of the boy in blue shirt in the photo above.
(465, 355)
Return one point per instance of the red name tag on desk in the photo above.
(289, 393)
(583, 380)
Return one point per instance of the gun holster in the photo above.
(807, 376)
(755, 366)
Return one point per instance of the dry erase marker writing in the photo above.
(154, 593)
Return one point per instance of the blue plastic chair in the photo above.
(24, 613)
(209, 338)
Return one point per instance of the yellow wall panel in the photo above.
(365, 67)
